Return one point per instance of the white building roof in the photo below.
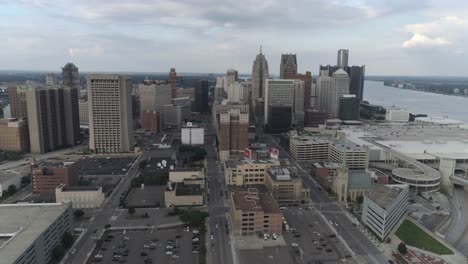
(439, 120)
(430, 149)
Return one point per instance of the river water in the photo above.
(435, 105)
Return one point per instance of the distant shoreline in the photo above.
(416, 90)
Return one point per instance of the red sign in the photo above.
(274, 153)
(247, 153)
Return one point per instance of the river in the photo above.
(435, 105)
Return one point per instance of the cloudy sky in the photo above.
(390, 37)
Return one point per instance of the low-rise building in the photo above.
(436, 121)
(80, 196)
(30, 232)
(247, 172)
(14, 135)
(355, 156)
(285, 187)
(12, 177)
(397, 115)
(383, 207)
(192, 135)
(183, 194)
(180, 174)
(306, 148)
(324, 173)
(52, 173)
(255, 213)
(349, 185)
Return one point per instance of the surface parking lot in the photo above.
(145, 246)
(105, 166)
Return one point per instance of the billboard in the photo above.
(274, 153)
(247, 153)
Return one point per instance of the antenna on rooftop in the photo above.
(260, 49)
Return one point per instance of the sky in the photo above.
(390, 37)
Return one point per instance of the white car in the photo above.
(275, 236)
(168, 252)
(196, 231)
(212, 237)
(195, 239)
(175, 256)
(73, 251)
(146, 246)
(294, 245)
(217, 226)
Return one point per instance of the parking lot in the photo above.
(149, 196)
(105, 166)
(146, 246)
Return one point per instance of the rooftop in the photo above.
(346, 145)
(384, 195)
(439, 120)
(252, 200)
(359, 180)
(310, 140)
(80, 188)
(182, 189)
(23, 223)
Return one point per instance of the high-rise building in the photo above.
(173, 115)
(231, 77)
(307, 79)
(342, 60)
(154, 95)
(279, 118)
(7, 111)
(314, 118)
(53, 118)
(339, 87)
(83, 112)
(288, 65)
(17, 97)
(232, 133)
(259, 75)
(149, 121)
(220, 89)
(349, 107)
(110, 113)
(70, 76)
(357, 75)
(15, 135)
(173, 82)
(237, 93)
(50, 79)
(324, 83)
(201, 96)
(287, 93)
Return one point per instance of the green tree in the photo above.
(360, 199)
(402, 249)
(67, 240)
(194, 218)
(143, 164)
(25, 180)
(11, 189)
(131, 210)
(78, 214)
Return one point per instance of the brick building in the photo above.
(14, 135)
(46, 177)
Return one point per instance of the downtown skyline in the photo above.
(389, 37)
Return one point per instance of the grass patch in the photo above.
(414, 236)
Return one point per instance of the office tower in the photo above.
(110, 113)
(53, 118)
(173, 82)
(149, 121)
(70, 76)
(288, 65)
(342, 60)
(233, 133)
(237, 93)
(259, 75)
(314, 118)
(324, 82)
(357, 75)
(7, 111)
(225, 108)
(339, 87)
(153, 96)
(83, 112)
(201, 96)
(284, 92)
(50, 79)
(231, 77)
(279, 119)
(186, 104)
(14, 135)
(220, 89)
(17, 97)
(349, 107)
(172, 116)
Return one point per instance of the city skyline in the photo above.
(417, 38)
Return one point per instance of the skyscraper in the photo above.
(173, 82)
(153, 96)
(339, 87)
(231, 77)
(110, 113)
(324, 83)
(53, 121)
(349, 107)
(201, 96)
(50, 78)
(237, 93)
(70, 76)
(288, 65)
(357, 75)
(233, 133)
(342, 60)
(17, 97)
(286, 93)
(259, 75)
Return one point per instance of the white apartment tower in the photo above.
(110, 113)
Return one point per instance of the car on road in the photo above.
(73, 251)
(217, 226)
(294, 244)
(168, 252)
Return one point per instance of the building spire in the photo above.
(260, 49)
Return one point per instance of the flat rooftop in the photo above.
(346, 145)
(414, 133)
(80, 188)
(182, 189)
(430, 149)
(310, 140)
(252, 200)
(22, 224)
(384, 195)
